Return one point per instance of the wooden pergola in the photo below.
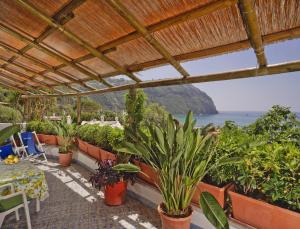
(51, 48)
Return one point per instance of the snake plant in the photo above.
(181, 156)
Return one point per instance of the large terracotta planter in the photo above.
(59, 140)
(114, 195)
(50, 139)
(174, 223)
(65, 159)
(105, 155)
(150, 175)
(41, 138)
(262, 215)
(82, 145)
(94, 152)
(218, 193)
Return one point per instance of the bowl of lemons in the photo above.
(11, 159)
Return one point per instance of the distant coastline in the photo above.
(241, 118)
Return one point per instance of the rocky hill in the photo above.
(177, 99)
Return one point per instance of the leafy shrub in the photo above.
(271, 171)
(42, 127)
(233, 141)
(8, 114)
(105, 137)
(278, 125)
(88, 116)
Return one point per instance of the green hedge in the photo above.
(8, 114)
(42, 127)
(269, 150)
(105, 137)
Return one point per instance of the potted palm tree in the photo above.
(181, 156)
(66, 133)
(114, 177)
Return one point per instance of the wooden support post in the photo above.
(253, 30)
(26, 109)
(78, 109)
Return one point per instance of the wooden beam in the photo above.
(133, 21)
(219, 50)
(23, 76)
(238, 74)
(253, 30)
(35, 74)
(13, 88)
(51, 53)
(37, 62)
(78, 110)
(76, 39)
(15, 83)
(21, 82)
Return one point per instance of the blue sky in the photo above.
(253, 94)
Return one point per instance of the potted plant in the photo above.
(267, 193)
(113, 177)
(66, 132)
(232, 141)
(181, 156)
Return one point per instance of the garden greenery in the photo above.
(270, 152)
(105, 137)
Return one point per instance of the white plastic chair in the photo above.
(12, 202)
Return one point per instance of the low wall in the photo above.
(142, 191)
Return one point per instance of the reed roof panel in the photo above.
(10, 40)
(14, 15)
(38, 54)
(97, 65)
(275, 16)
(162, 33)
(149, 12)
(59, 42)
(97, 23)
(133, 52)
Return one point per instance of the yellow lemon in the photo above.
(10, 157)
(16, 160)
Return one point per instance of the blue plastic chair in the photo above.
(6, 150)
(32, 149)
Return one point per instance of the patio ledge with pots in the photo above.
(141, 190)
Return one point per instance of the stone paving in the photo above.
(74, 204)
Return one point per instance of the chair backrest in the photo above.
(28, 140)
(6, 150)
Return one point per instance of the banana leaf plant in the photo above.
(7, 132)
(181, 156)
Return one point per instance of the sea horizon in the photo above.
(241, 118)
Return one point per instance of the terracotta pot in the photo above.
(41, 138)
(114, 195)
(59, 140)
(168, 222)
(105, 155)
(82, 145)
(50, 139)
(151, 176)
(262, 215)
(65, 159)
(218, 193)
(94, 152)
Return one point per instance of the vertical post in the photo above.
(26, 109)
(78, 109)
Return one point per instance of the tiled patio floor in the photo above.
(74, 204)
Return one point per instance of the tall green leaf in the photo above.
(213, 211)
(7, 132)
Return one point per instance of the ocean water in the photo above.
(241, 118)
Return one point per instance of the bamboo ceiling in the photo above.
(58, 47)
